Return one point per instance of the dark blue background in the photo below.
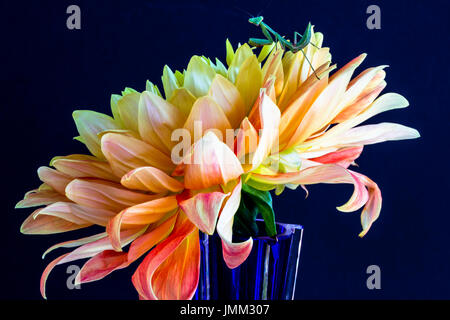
(47, 71)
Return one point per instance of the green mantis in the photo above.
(271, 34)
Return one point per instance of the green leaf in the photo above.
(244, 223)
(263, 202)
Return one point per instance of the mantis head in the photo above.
(256, 20)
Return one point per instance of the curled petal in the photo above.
(343, 157)
(101, 265)
(38, 197)
(372, 209)
(47, 224)
(206, 114)
(86, 251)
(91, 249)
(46, 272)
(104, 195)
(171, 270)
(75, 243)
(269, 116)
(327, 173)
(141, 214)
(56, 180)
(211, 163)
(108, 261)
(246, 139)
(151, 179)
(234, 254)
(202, 209)
(80, 166)
(126, 153)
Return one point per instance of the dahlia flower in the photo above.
(165, 167)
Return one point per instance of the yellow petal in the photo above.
(183, 100)
(158, 117)
(128, 107)
(169, 81)
(249, 81)
(228, 98)
(199, 75)
(89, 125)
(240, 56)
(206, 114)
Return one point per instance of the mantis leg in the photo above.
(309, 62)
(259, 42)
(301, 36)
(266, 32)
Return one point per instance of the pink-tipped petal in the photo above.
(343, 157)
(171, 270)
(202, 209)
(211, 163)
(234, 254)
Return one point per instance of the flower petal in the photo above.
(46, 224)
(202, 209)
(236, 253)
(206, 114)
(151, 179)
(326, 173)
(75, 243)
(89, 125)
(199, 75)
(128, 107)
(104, 195)
(141, 214)
(183, 100)
(211, 163)
(79, 166)
(158, 117)
(38, 197)
(326, 106)
(384, 103)
(248, 81)
(126, 153)
(376, 133)
(228, 98)
(56, 180)
(169, 82)
(171, 270)
(343, 157)
(269, 116)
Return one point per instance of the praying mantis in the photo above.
(270, 34)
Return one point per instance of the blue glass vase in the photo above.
(269, 273)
